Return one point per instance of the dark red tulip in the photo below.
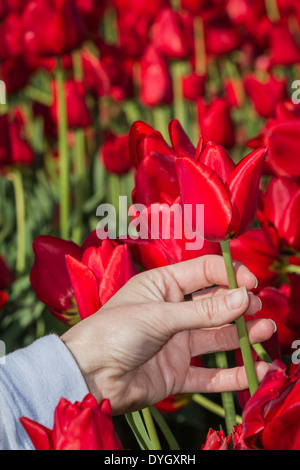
(11, 37)
(228, 192)
(270, 418)
(84, 425)
(77, 109)
(99, 275)
(115, 153)
(221, 37)
(193, 86)
(50, 279)
(52, 27)
(14, 149)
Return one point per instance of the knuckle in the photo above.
(209, 308)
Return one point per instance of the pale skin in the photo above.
(137, 349)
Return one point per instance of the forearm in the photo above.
(32, 381)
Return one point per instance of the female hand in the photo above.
(137, 349)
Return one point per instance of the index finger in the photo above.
(206, 271)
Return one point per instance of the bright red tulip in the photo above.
(221, 37)
(155, 79)
(193, 86)
(50, 279)
(84, 425)
(99, 275)
(265, 94)
(14, 149)
(216, 440)
(52, 27)
(284, 47)
(260, 255)
(279, 135)
(280, 213)
(228, 192)
(115, 153)
(271, 416)
(216, 122)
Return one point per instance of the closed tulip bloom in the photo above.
(84, 425)
(271, 416)
(216, 122)
(228, 192)
(77, 110)
(52, 27)
(265, 94)
(216, 440)
(50, 279)
(115, 153)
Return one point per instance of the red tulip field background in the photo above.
(165, 102)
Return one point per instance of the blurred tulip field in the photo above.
(161, 101)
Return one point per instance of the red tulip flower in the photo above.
(6, 279)
(216, 123)
(266, 94)
(99, 275)
(84, 425)
(77, 110)
(50, 279)
(229, 192)
(279, 135)
(14, 149)
(52, 27)
(216, 440)
(280, 213)
(271, 416)
(115, 153)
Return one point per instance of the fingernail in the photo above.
(256, 282)
(274, 324)
(237, 298)
(260, 304)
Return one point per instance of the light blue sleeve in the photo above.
(32, 381)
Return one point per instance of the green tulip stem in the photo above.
(240, 323)
(150, 426)
(272, 10)
(63, 152)
(226, 397)
(212, 406)
(16, 178)
(79, 161)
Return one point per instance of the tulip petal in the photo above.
(217, 159)
(243, 185)
(180, 141)
(40, 436)
(85, 287)
(200, 185)
(291, 226)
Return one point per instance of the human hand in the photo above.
(137, 349)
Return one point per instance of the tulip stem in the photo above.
(227, 397)
(212, 406)
(272, 10)
(151, 429)
(63, 151)
(16, 178)
(80, 166)
(240, 323)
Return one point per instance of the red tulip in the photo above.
(14, 149)
(280, 136)
(228, 192)
(283, 45)
(216, 122)
(79, 426)
(77, 110)
(216, 440)
(155, 78)
(277, 306)
(221, 37)
(170, 36)
(193, 86)
(11, 37)
(50, 279)
(115, 153)
(260, 255)
(266, 94)
(16, 73)
(280, 213)
(245, 12)
(52, 27)
(3, 299)
(271, 416)
(99, 275)
(6, 279)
